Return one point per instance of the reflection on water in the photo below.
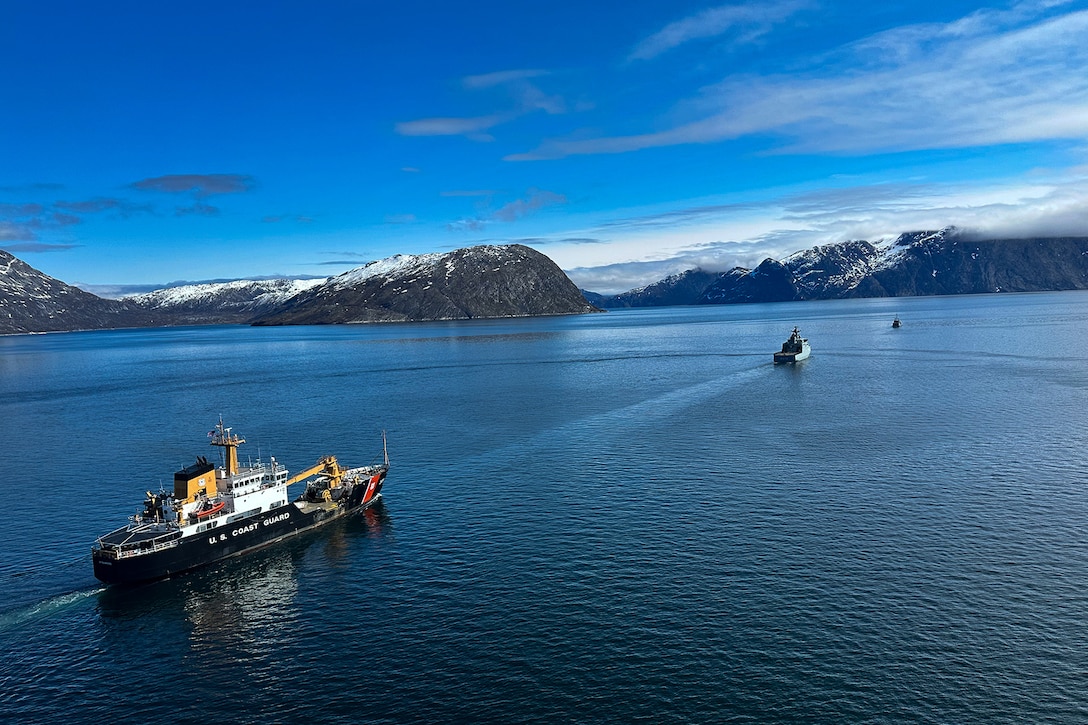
(254, 616)
(249, 593)
(246, 605)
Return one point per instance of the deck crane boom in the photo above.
(327, 466)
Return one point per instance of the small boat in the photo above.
(210, 509)
(794, 349)
(896, 323)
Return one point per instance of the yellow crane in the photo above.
(327, 466)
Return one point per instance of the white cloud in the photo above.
(518, 208)
(498, 78)
(723, 236)
(526, 96)
(451, 126)
(748, 22)
(510, 212)
(716, 257)
(990, 78)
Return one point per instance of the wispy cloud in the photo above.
(711, 257)
(199, 185)
(511, 211)
(720, 237)
(470, 127)
(20, 210)
(23, 222)
(989, 78)
(28, 223)
(526, 96)
(537, 199)
(282, 218)
(65, 220)
(198, 209)
(16, 232)
(33, 188)
(467, 225)
(90, 206)
(468, 192)
(498, 78)
(121, 207)
(36, 247)
(674, 218)
(743, 24)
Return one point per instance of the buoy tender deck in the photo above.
(215, 512)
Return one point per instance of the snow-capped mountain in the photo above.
(238, 301)
(513, 281)
(940, 262)
(485, 281)
(31, 301)
(950, 262)
(676, 289)
(831, 269)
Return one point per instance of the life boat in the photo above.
(216, 508)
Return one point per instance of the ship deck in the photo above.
(145, 533)
(308, 507)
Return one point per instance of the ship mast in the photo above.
(222, 437)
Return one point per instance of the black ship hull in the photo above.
(227, 540)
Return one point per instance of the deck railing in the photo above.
(124, 551)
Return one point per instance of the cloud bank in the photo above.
(700, 236)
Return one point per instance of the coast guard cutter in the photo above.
(215, 512)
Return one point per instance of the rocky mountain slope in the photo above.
(31, 301)
(678, 289)
(485, 281)
(515, 281)
(220, 303)
(939, 262)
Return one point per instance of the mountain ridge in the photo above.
(485, 281)
(920, 263)
(34, 302)
(478, 282)
(514, 281)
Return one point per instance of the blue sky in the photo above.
(145, 143)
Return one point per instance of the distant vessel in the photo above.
(794, 349)
(896, 322)
(215, 512)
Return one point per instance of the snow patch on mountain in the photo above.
(408, 268)
(238, 293)
(893, 251)
(839, 266)
(398, 265)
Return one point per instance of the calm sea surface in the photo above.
(627, 517)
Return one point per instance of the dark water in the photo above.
(630, 517)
